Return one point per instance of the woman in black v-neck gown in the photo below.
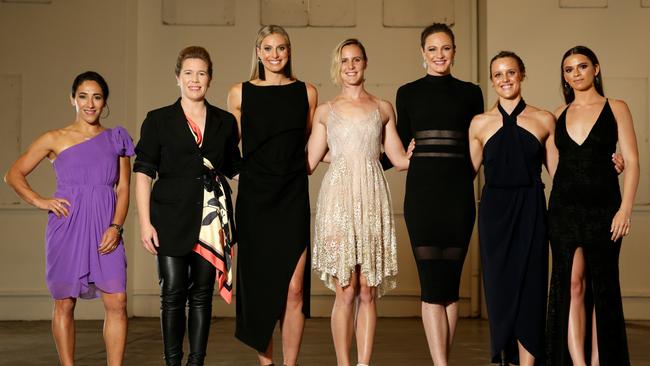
(587, 219)
(584, 199)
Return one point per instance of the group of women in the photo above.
(440, 134)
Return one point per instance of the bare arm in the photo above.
(312, 98)
(233, 104)
(392, 143)
(317, 144)
(630, 152)
(475, 144)
(111, 237)
(148, 234)
(552, 154)
(16, 177)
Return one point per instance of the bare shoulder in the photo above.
(618, 106)
(51, 139)
(559, 110)
(235, 90)
(311, 88)
(539, 114)
(544, 116)
(480, 121)
(320, 115)
(384, 105)
(312, 94)
(386, 110)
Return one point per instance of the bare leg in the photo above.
(342, 320)
(525, 358)
(595, 360)
(266, 358)
(63, 329)
(292, 322)
(577, 321)
(115, 326)
(452, 319)
(436, 328)
(366, 321)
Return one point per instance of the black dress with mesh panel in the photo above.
(439, 206)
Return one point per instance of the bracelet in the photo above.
(118, 227)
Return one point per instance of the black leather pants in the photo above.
(189, 279)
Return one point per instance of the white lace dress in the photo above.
(354, 219)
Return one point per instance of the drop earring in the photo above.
(260, 69)
(424, 64)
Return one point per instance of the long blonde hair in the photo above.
(257, 70)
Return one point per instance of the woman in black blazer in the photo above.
(186, 220)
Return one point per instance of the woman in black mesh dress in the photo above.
(439, 207)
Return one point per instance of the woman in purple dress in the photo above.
(84, 251)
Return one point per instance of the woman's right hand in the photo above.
(56, 205)
(149, 238)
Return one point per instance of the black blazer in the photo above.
(167, 148)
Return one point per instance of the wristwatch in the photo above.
(119, 228)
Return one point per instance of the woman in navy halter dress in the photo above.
(512, 215)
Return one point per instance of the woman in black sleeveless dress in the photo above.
(510, 142)
(274, 111)
(588, 218)
(439, 206)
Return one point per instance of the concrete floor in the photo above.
(399, 341)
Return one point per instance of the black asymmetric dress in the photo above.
(512, 233)
(272, 210)
(583, 202)
(439, 206)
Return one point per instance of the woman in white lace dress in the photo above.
(354, 249)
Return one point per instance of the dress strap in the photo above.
(512, 117)
(510, 167)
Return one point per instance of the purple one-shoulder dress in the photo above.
(86, 175)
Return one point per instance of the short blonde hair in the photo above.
(265, 31)
(335, 69)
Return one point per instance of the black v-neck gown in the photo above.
(583, 202)
(512, 234)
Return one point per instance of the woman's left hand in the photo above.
(409, 150)
(110, 240)
(620, 225)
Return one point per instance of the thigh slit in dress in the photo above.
(272, 210)
(583, 202)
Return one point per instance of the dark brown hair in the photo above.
(90, 76)
(567, 90)
(437, 28)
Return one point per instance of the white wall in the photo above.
(540, 32)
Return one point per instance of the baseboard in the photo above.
(38, 306)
